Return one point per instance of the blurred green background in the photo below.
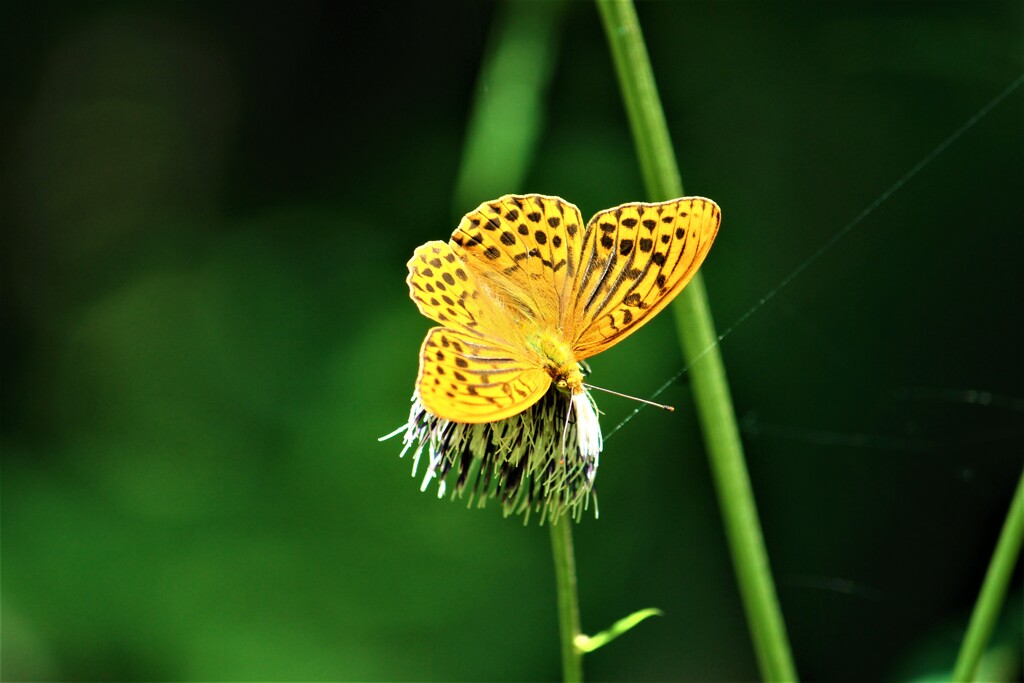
(207, 209)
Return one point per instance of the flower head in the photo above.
(542, 460)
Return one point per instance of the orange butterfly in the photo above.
(524, 292)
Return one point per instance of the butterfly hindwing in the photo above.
(638, 256)
(464, 378)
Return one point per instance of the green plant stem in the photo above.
(993, 590)
(699, 344)
(568, 601)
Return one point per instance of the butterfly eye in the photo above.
(561, 384)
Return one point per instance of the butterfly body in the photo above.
(555, 354)
(524, 291)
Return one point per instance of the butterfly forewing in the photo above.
(447, 291)
(638, 257)
(440, 285)
(464, 378)
(525, 251)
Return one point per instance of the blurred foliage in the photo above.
(206, 214)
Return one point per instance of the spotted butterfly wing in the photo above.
(638, 258)
(465, 378)
(525, 251)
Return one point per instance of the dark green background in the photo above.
(206, 216)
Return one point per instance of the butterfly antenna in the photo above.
(632, 398)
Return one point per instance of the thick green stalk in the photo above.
(993, 590)
(568, 602)
(699, 343)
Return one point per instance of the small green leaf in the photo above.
(590, 643)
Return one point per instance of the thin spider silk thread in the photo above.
(832, 241)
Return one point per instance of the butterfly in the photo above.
(524, 291)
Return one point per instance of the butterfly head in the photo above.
(567, 379)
